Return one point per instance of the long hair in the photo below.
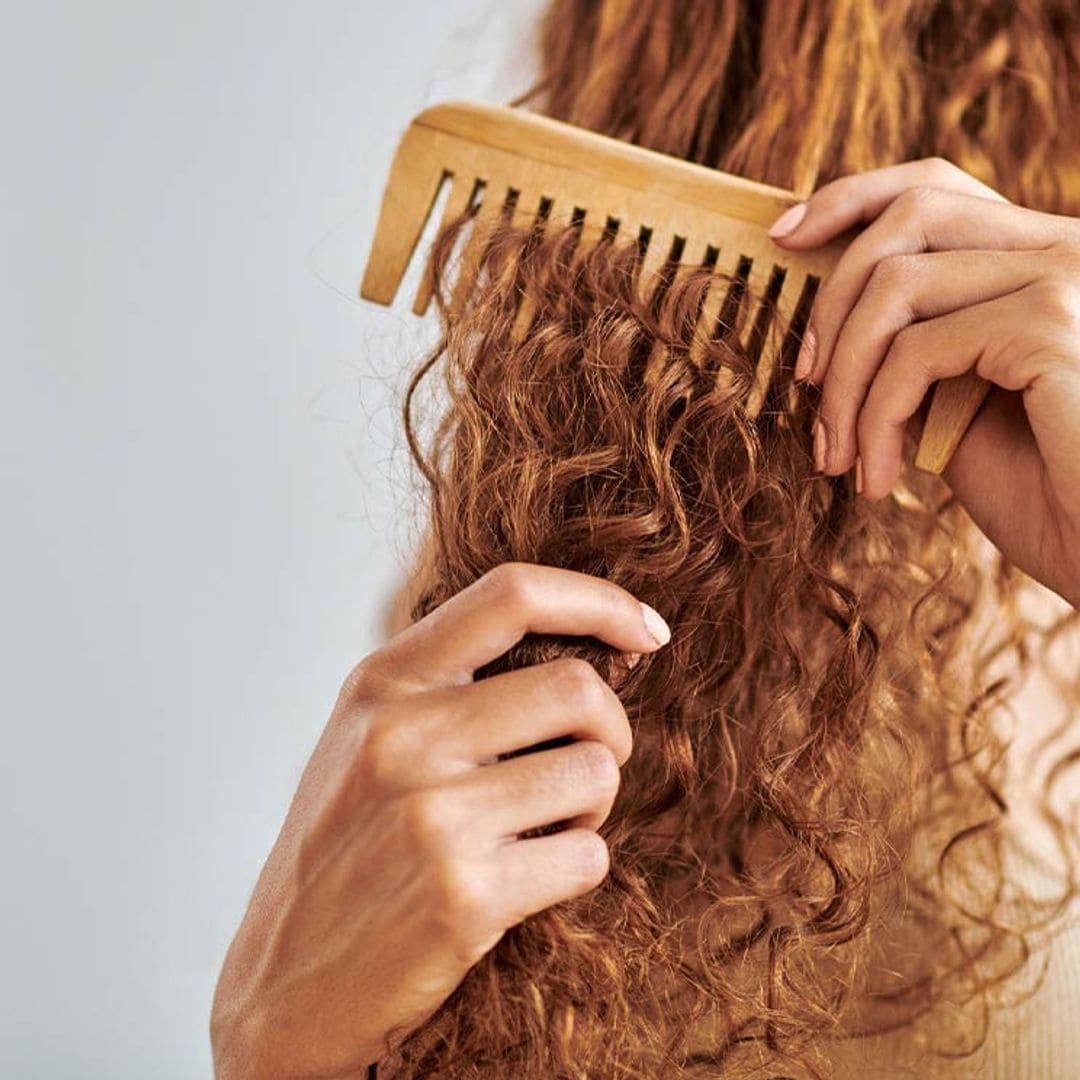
(811, 843)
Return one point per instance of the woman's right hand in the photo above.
(399, 864)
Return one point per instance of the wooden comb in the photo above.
(506, 163)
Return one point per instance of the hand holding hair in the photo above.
(400, 863)
(947, 276)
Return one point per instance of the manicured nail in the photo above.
(788, 221)
(658, 629)
(858, 475)
(804, 364)
(820, 446)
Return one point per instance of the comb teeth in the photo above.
(540, 173)
(463, 193)
(486, 152)
(492, 208)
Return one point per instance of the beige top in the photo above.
(1037, 1039)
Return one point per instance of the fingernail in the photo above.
(621, 666)
(820, 446)
(658, 629)
(858, 475)
(804, 364)
(788, 221)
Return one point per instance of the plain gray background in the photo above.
(205, 496)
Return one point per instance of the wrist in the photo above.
(239, 1045)
(246, 1045)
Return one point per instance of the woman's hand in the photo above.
(948, 276)
(399, 864)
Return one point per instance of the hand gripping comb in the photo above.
(506, 163)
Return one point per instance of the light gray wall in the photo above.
(204, 498)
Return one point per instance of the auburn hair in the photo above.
(811, 842)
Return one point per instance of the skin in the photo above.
(947, 275)
(399, 864)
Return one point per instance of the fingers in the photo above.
(440, 734)
(939, 242)
(576, 783)
(533, 874)
(481, 622)
(860, 198)
(919, 220)
(901, 290)
(997, 338)
(564, 698)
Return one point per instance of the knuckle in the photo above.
(512, 583)
(904, 347)
(382, 751)
(465, 910)
(911, 205)
(941, 169)
(364, 680)
(594, 764)
(908, 357)
(592, 859)
(429, 822)
(463, 900)
(891, 274)
(1059, 300)
(580, 688)
(921, 194)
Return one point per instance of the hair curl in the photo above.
(811, 841)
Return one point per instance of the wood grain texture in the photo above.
(492, 156)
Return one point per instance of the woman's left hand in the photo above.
(947, 276)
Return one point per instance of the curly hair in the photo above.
(811, 841)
